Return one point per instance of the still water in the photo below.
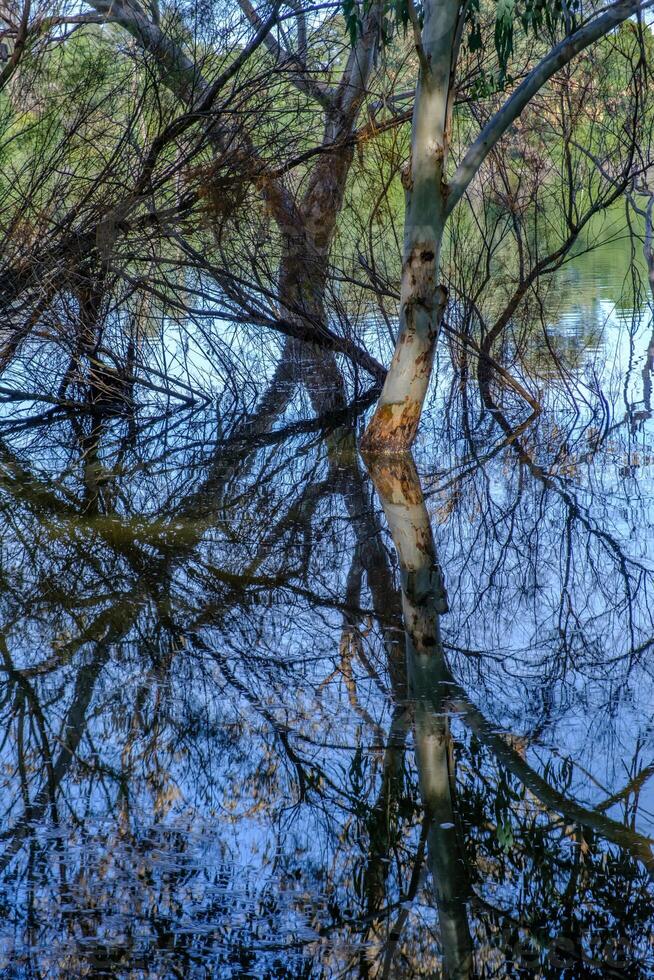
(221, 756)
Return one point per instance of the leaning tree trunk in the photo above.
(394, 424)
(308, 229)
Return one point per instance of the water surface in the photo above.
(209, 725)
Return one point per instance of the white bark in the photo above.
(430, 201)
(395, 422)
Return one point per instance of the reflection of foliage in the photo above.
(207, 741)
(563, 876)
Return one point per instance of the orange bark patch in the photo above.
(393, 427)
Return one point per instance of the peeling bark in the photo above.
(394, 424)
(430, 199)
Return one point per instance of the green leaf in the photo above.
(505, 836)
(504, 33)
(352, 21)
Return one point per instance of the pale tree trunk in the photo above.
(431, 199)
(394, 424)
(423, 601)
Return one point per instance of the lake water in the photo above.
(217, 759)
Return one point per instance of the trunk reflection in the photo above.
(424, 600)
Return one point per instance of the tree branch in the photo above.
(185, 80)
(300, 76)
(557, 58)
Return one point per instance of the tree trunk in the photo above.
(308, 229)
(394, 424)
(304, 268)
(302, 280)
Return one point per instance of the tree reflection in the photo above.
(232, 744)
(423, 600)
(436, 695)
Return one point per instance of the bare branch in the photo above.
(299, 75)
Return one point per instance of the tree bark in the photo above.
(306, 226)
(394, 424)
(430, 200)
(307, 240)
(302, 280)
